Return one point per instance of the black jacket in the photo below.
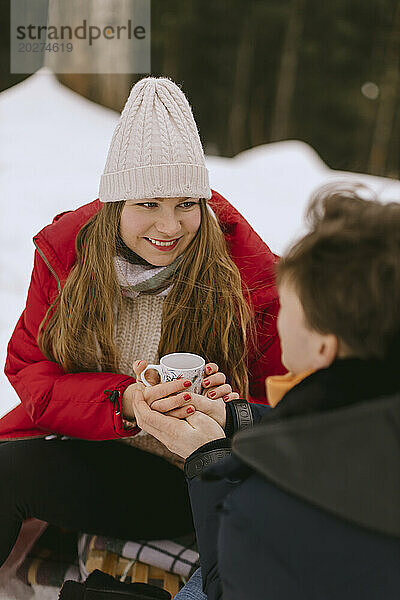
(308, 504)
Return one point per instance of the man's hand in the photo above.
(180, 436)
(153, 393)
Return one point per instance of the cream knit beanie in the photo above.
(155, 151)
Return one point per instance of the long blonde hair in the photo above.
(205, 312)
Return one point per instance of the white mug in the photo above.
(179, 364)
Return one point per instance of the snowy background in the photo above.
(53, 147)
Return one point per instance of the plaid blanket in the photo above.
(54, 558)
(178, 556)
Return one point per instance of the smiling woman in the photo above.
(158, 264)
(160, 230)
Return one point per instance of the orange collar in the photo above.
(278, 385)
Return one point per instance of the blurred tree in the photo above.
(109, 89)
(237, 121)
(287, 73)
(388, 108)
(8, 79)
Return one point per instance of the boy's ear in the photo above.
(328, 350)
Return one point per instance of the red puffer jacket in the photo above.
(87, 405)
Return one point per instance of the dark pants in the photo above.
(107, 488)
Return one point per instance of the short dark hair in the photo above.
(346, 270)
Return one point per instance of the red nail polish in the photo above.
(208, 369)
(212, 394)
(187, 383)
(186, 397)
(190, 410)
(226, 398)
(206, 382)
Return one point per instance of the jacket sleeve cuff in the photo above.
(239, 416)
(206, 455)
(122, 426)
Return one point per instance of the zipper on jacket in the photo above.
(114, 397)
(48, 264)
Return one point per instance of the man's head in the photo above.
(339, 285)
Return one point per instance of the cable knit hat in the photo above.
(155, 151)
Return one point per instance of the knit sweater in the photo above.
(137, 336)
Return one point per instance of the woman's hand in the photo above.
(183, 405)
(215, 386)
(152, 394)
(180, 436)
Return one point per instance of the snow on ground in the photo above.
(271, 185)
(53, 147)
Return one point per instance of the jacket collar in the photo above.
(56, 244)
(334, 441)
(345, 382)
